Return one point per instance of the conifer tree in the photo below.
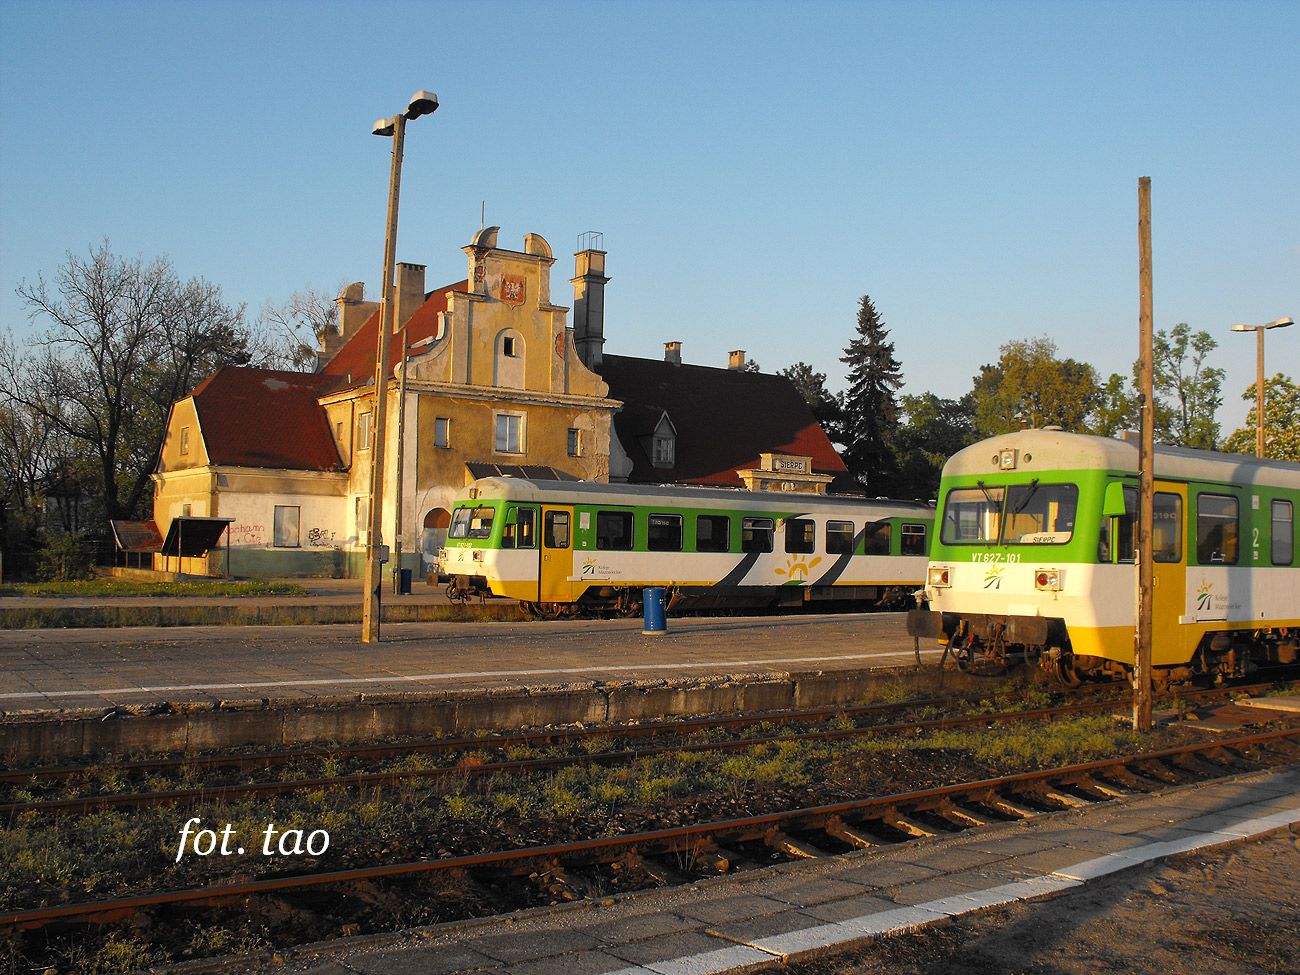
(869, 405)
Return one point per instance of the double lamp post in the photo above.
(1259, 331)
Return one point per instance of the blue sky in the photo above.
(754, 167)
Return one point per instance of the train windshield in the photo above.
(472, 522)
(1022, 514)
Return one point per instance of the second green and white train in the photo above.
(563, 547)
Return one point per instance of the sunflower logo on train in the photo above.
(1204, 596)
(797, 569)
(993, 576)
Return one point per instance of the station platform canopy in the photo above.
(141, 537)
(190, 537)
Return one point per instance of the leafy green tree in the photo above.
(869, 406)
(1282, 419)
(933, 430)
(1188, 391)
(123, 340)
(812, 387)
(1117, 408)
(1030, 387)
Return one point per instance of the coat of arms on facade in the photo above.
(512, 289)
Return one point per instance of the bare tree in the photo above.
(123, 340)
(296, 328)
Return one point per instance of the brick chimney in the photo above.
(737, 360)
(410, 292)
(589, 300)
(673, 353)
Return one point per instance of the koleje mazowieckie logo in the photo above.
(1204, 595)
(993, 576)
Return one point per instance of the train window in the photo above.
(614, 530)
(756, 534)
(972, 515)
(1283, 546)
(1040, 514)
(800, 535)
(712, 533)
(1217, 529)
(526, 528)
(839, 537)
(1123, 546)
(480, 522)
(556, 529)
(912, 540)
(1167, 528)
(459, 523)
(664, 533)
(877, 538)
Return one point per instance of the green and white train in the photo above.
(1034, 558)
(563, 547)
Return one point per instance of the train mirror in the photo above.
(512, 516)
(1113, 505)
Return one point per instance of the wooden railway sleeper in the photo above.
(960, 815)
(838, 829)
(1067, 799)
(1094, 784)
(895, 820)
(1157, 770)
(788, 845)
(1007, 807)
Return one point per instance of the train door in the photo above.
(1169, 577)
(553, 581)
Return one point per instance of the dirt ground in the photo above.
(1233, 911)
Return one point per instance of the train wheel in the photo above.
(1064, 671)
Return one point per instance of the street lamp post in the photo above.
(1259, 331)
(422, 103)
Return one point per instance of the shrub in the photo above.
(65, 557)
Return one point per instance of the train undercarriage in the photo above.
(991, 644)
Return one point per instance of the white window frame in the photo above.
(364, 429)
(278, 523)
(665, 451)
(521, 432)
(362, 515)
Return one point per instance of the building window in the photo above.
(441, 431)
(363, 520)
(712, 533)
(665, 450)
(800, 535)
(614, 530)
(285, 530)
(839, 537)
(185, 441)
(912, 540)
(575, 442)
(363, 431)
(186, 509)
(664, 533)
(1283, 548)
(338, 431)
(510, 433)
(508, 347)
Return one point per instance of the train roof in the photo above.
(1056, 450)
(593, 492)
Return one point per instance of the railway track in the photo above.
(661, 855)
(185, 797)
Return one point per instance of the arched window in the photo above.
(434, 536)
(508, 360)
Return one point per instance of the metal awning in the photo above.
(190, 537)
(136, 536)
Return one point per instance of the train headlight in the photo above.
(478, 555)
(940, 576)
(1047, 580)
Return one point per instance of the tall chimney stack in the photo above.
(737, 360)
(589, 300)
(673, 353)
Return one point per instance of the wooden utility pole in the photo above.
(1146, 465)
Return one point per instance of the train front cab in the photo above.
(517, 550)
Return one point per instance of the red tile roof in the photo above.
(357, 356)
(724, 419)
(266, 418)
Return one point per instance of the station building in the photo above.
(496, 381)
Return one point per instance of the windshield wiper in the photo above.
(1033, 488)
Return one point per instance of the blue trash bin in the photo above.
(655, 608)
(404, 583)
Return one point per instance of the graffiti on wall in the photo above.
(320, 537)
(247, 534)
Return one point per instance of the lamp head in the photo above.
(384, 126)
(1280, 323)
(1244, 328)
(421, 103)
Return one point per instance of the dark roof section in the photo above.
(534, 472)
(356, 358)
(266, 418)
(190, 537)
(724, 419)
